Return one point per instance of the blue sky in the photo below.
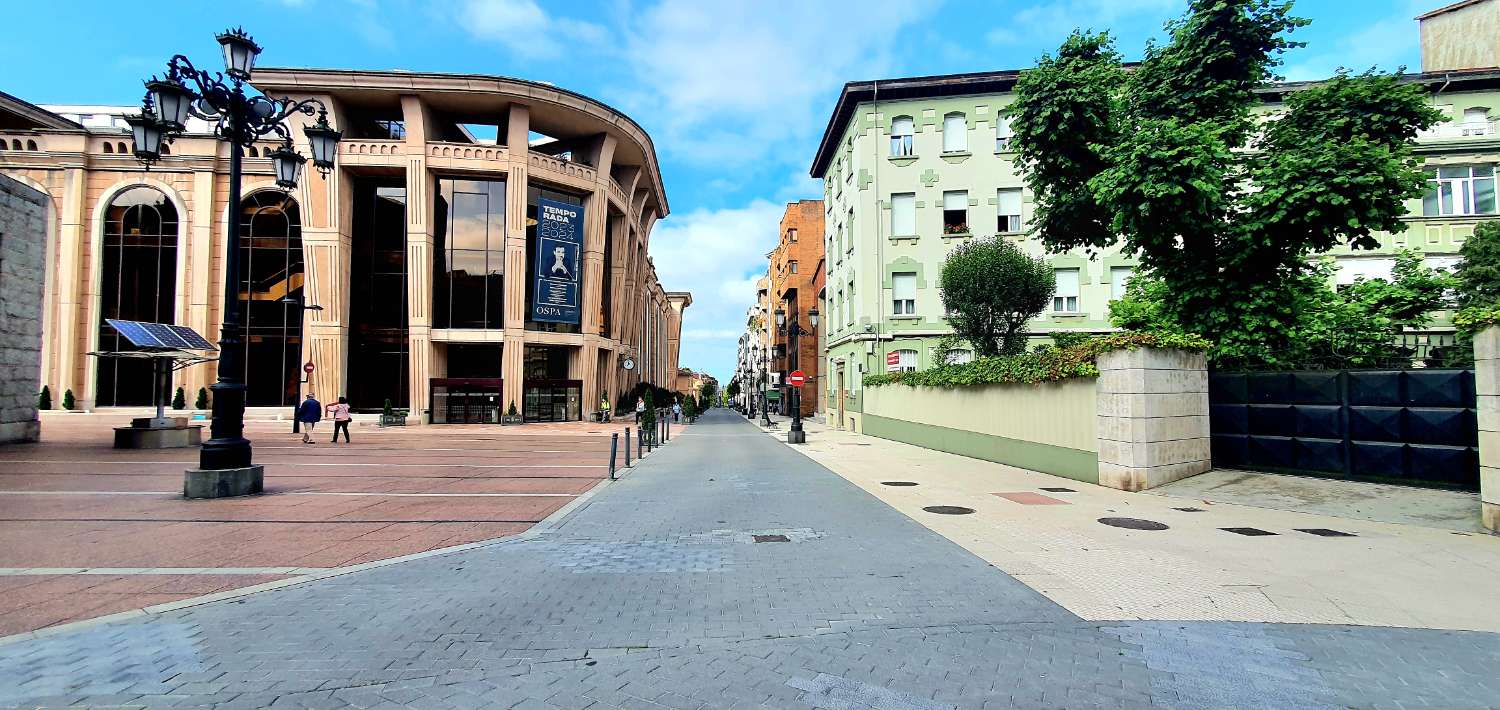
(735, 94)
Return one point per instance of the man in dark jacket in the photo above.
(309, 413)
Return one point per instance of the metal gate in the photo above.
(1394, 426)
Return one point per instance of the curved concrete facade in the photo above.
(409, 132)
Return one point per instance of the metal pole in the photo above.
(228, 447)
(614, 443)
(627, 447)
(796, 435)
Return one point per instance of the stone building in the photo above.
(421, 248)
(23, 229)
(793, 270)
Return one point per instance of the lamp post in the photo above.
(792, 330)
(240, 120)
(297, 401)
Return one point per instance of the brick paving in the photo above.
(72, 501)
(657, 593)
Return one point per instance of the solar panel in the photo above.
(159, 335)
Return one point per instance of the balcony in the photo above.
(1459, 131)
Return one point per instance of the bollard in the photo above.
(669, 428)
(627, 447)
(614, 442)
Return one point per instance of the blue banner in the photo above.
(559, 237)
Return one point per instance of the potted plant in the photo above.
(390, 417)
(511, 415)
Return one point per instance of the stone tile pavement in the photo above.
(724, 571)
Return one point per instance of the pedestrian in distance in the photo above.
(604, 407)
(310, 413)
(677, 411)
(640, 408)
(340, 414)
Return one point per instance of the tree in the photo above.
(1170, 161)
(1479, 273)
(990, 289)
(732, 391)
(648, 417)
(202, 401)
(68, 402)
(179, 399)
(44, 398)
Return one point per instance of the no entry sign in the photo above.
(796, 378)
(308, 368)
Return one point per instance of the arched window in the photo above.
(31, 145)
(955, 133)
(271, 297)
(253, 152)
(901, 130)
(120, 148)
(15, 144)
(958, 357)
(109, 147)
(138, 282)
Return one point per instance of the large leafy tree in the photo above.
(990, 289)
(1170, 160)
(1479, 272)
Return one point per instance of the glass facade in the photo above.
(549, 395)
(468, 262)
(138, 282)
(533, 193)
(271, 271)
(378, 345)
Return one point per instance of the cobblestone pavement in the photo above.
(725, 571)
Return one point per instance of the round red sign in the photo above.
(796, 378)
(308, 368)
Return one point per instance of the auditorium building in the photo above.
(414, 274)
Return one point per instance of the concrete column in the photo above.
(1152, 417)
(71, 289)
(419, 216)
(512, 359)
(1487, 387)
(327, 250)
(200, 256)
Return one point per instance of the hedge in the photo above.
(1047, 365)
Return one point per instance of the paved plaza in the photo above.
(726, 570)
(91, 530)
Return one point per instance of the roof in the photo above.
(1450, 8)
(858, 92)
(26, 112)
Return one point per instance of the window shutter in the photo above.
(955, 133)
(1009, 201)
(904, 214)
(1067, 282)
(902, 126)
(903, 286)
(956, 200)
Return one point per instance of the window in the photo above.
(791, 235)
(1065, 298)
(901, 130)
(841, 307)
(904, 294)
(850, 317)
(1459, 190)
(1476, 122)
(139, 282)
(109, 147)
(1008, 206)
(793, 266)
(901, 361)
(1003, 135)
(1119, 276)
(904, 214)
(468, 259)
(955, 133)
(956, 212)
(271, 268)
(959, 357)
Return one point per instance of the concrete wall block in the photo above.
(1488, 408)
(1162, 475)
(1153, 405)
(1487, 377)
(1158, 453)
(1152, 359)
(1140, 381)
(1152, 429)
(1489, 484)
(1487, 344)
(1125, 478)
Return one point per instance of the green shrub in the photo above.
(44, 399)
(511, 412)
(179, 400)
(202, 401)
(68, 402)
(389, 410)
(1049, 365)
(1067, 339)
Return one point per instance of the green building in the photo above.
(912, 167)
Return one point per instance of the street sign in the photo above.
(892, 361)
(308, 368)
(796, 378)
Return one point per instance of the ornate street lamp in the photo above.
(792, 330)
(239, 120)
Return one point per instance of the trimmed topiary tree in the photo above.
(44, 399)
(68, 402)
(179, 400)
(648, 417)
(202, 401)
(991, 289)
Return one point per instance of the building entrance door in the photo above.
(841, 395)
(465, 400)
(553, 400)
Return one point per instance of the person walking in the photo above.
(640, 408)
(604, 407)
(677, 411)
(340, 414)
(310, 413)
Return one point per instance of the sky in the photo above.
(734, 94)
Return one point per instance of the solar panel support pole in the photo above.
(228, 448)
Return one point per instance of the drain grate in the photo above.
(1251, 532)
(1189, 510)
(948, 509)
(1133, 523)
(771, 538)
(898, 483)
(1325, 532)
(1057, 490)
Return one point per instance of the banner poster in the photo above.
(559, 236)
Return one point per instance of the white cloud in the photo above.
(524, 28)
(1385, 43)
(1049, 23)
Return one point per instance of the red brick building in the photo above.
(794, 272)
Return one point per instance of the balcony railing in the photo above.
(1465, 129)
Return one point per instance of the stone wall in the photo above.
(1487, 389)
(1153, 417)
(23, 229)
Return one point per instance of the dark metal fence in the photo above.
(1413, 426)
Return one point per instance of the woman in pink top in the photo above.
(340, 414)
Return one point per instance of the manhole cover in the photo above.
(1058, 490)
(771, 538)
(1252, 532)
(898, 483)
(1133, 523)
(948, 509)
(1189, 510)
(1325, 532)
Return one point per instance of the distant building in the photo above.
(793, 270)
(421, 248)
(1464, 36)
(913, 167)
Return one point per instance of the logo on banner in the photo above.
(558, 240)
(892, 361)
